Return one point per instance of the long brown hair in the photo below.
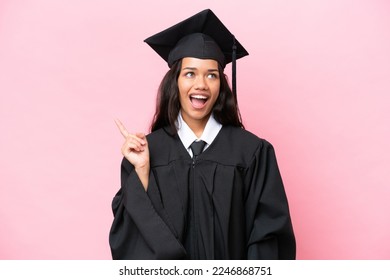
(225, 109)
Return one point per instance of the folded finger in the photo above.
(142, 136)
(136, 137)
(132, 146)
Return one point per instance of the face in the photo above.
(199, 84)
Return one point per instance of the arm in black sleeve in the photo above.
(271, 234)
(138, 231)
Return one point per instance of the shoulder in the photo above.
(244, 139)
(159, 137)
(237, 146)
(164, 147)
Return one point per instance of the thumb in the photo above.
(142, 136)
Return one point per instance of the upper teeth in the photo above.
(199, 96)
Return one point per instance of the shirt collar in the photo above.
(187, 136)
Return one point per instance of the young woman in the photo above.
(199, 186)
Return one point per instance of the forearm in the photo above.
(143, 175)
(138, 231)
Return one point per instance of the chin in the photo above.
(198, 116)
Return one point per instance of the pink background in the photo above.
(316, 85)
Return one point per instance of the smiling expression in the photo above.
(199, 85)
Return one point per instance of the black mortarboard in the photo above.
(201, 36)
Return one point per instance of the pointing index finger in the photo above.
(122, 128)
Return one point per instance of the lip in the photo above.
(198, 100)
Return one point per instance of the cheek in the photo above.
(183, 86)
(215, 91)
(182, 96)
(180, 87)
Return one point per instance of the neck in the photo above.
(197, 126)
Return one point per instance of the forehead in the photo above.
(199, 63)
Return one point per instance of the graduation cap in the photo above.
(201, 36)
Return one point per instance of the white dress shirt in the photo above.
(187, 136)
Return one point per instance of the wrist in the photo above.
(143, 175)
(142, 169)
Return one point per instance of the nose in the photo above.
(201, 83)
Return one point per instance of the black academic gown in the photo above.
(228, 204)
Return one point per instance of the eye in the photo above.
(212, 76)
(189, 74)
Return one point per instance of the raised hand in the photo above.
(135, 149)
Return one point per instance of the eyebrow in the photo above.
(194, 68)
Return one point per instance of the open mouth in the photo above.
(198, 101)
